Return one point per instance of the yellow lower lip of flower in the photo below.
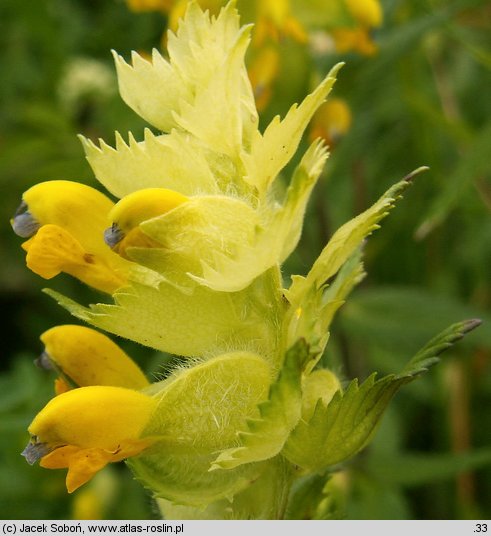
(83, 464)
(84, 429)
(53, 250)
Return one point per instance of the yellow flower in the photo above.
(66, 222)
(87, 505)
(356, 39)
(134, 209)
(96, 499)
(87, 428)
(367, 13)
(178, 10)
(86, 357)
(263, 71)
(331, 121)
(150, 5)
(275, 20)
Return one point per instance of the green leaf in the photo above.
(262, 498)
(428, 355)
(339, 430)
(266, 435)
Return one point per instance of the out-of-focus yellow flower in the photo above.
(263, 71)
(86, 357)
(66, 222)
(354, 39)
(368, 13)
(275, 20)
(95, 499)
(175, 9)
(87, 505)
(178, 9)
(331, 121)
(151, 5)
(87, 428)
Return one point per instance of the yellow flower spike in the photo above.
(134, 209)
(331, 121)
(87, 428)
(66, 221)
(88, 357)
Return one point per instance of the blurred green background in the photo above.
(422, 99)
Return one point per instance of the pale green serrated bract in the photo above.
(312, 303)
(197, 232)
(265, 435)
(341, 429)
(264, 498)
(271, 151)
(205, 119)
(160, 89)
(275, 238)
(344, 242)
(199, 410)
(311, 318)
(175, 161)
(195, 323)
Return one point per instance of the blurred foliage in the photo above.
(421, 100)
